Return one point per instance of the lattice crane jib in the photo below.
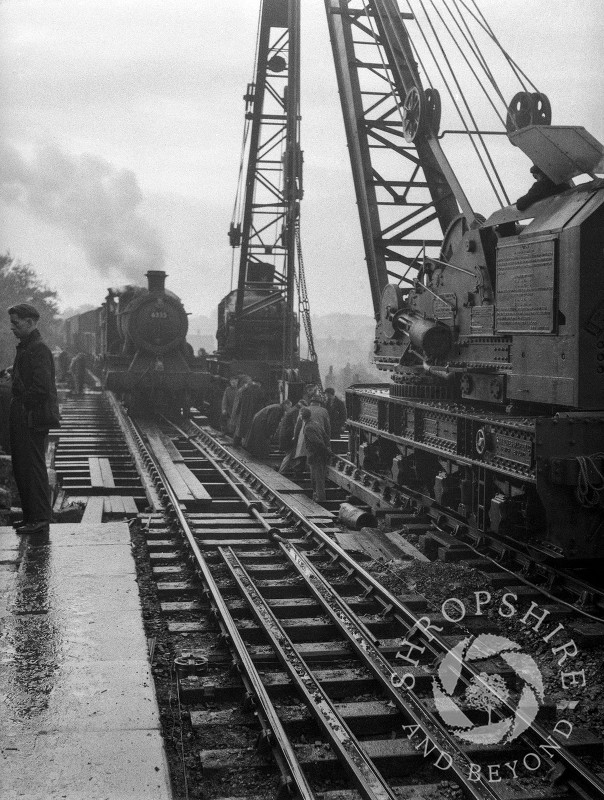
(385, 110)
(412, 179)
(259, 318)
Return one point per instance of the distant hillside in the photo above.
(344, 344)
(342, 341)
(343, 326)
(199, 324)
(72, 312)
(202, 332)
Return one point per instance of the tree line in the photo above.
(20, 284)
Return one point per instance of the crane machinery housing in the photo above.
(492, 329)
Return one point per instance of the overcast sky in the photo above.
(145, 97)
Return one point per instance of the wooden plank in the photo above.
(305, 505)
(114, 504)
(130, 507)
(185, 485)
(410, 550)
(197, 489)
(107, 473)
(178, 485)
(378, 545)
(96, 476)
(173, 451)
(101, 474)
(266, 473)
(94, 510)
(120, 505)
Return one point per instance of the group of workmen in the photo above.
(302, 431)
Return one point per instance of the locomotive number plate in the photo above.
(512, 449)
(525, 287)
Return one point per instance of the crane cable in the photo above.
(516, 69)
(398, 100)
(471, 115)
(240, 192)
(303, 300)
(451, 92)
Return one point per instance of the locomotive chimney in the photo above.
(156, 279)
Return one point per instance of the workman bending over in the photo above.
(263, 428)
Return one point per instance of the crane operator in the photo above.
(542, 188)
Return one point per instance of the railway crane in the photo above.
(258, 327)
(492, 329)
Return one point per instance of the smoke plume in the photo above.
(96, 204)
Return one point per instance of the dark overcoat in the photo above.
(264, 425)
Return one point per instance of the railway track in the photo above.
(289, 603)
(574, 582)
(296, 672)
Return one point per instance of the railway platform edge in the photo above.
(80, 715)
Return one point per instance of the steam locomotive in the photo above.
(136, 343)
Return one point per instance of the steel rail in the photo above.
(368, 780)
(582, 779)
(361, 639)
(251, 505)
(406, 700)
(355, 631)
(278, 740)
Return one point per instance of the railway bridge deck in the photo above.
(273, 649)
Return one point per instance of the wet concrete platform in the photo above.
(79, 717)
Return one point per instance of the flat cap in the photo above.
(24, 311)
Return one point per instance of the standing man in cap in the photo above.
(318, 453)
(227, 405)
(34, 409)
(336, 410)
(319, 413)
